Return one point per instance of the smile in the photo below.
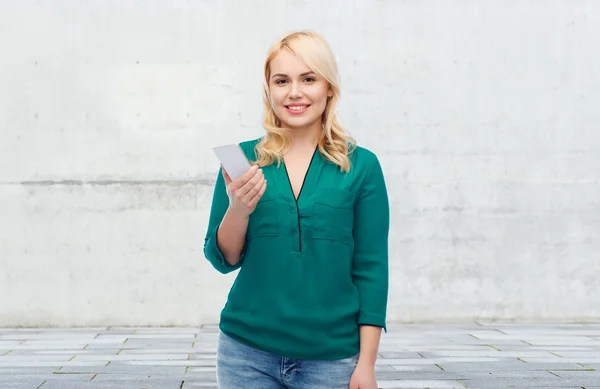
(297, 109)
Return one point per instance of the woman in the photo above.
(309, 303)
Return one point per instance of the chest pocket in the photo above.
(263, 221)
(333, 215)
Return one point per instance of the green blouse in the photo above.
(312, 269)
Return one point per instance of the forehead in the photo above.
(288, 63)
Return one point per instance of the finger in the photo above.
(250, 184)
(243, 180)
(253, 191)
(354, 384)
(259, 195)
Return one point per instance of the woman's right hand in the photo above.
(245, 192)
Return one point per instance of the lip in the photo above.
(297, 112)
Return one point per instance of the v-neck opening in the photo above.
(303, 180)
(298, 246)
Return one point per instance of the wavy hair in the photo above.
(312, 49)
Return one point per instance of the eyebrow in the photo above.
(285, 75)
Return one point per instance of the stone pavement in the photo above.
(477, 355)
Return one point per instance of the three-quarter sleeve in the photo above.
(220, 203)
(370, 262)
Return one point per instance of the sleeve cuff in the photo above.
(371, 320)
(215, 256)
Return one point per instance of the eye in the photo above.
(280, 81)
(309, 79)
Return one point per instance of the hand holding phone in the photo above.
(245, 183)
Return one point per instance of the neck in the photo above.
(306, 138)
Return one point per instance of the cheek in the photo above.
(319, 95)
(277, 98)
(320, 100)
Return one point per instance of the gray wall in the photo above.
(485, 116)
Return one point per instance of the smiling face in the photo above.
(298, 95)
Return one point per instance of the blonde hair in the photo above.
(312, 49)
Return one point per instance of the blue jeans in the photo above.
(243, 367)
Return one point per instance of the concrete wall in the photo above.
(485, 116)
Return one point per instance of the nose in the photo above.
(295, 91)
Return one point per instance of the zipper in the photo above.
(299, 194)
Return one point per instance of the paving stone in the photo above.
(114, 338)
(114, 384)
(577, 373)
(69, 352)
(409, 368)
(130, 357)
(8, 344)
(150, 343)
(422, 347)
(197, 356)
(489, 354)
(567, 341)
(11, 371)
(74, 336)
(199, 362)
(400, 355)
(540, 387)
(61, 343)
(153, 336)
(35, 380)
(201, 369)
(105, 346)
(422, 375)
(595, 366)
(43, 345)
(419, 384)
(50, 364)
(119, 368)
(136, 376)
(429, 361)
(30, 364)
(70, 377)
(527, 382)
(577, 354)
(22, 383)
(526, 347)
(39, 330)
(201, 377)
(581, 360)
(203, 385)
(509, 374)
(512, 366)
(192, 351)
(35, 357)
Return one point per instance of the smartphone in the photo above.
(233, 159)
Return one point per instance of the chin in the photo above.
(299, 122)
(297, 126)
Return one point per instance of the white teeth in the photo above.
(297, 108)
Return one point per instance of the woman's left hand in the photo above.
(363, 378)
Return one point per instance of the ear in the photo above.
(330, 93)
